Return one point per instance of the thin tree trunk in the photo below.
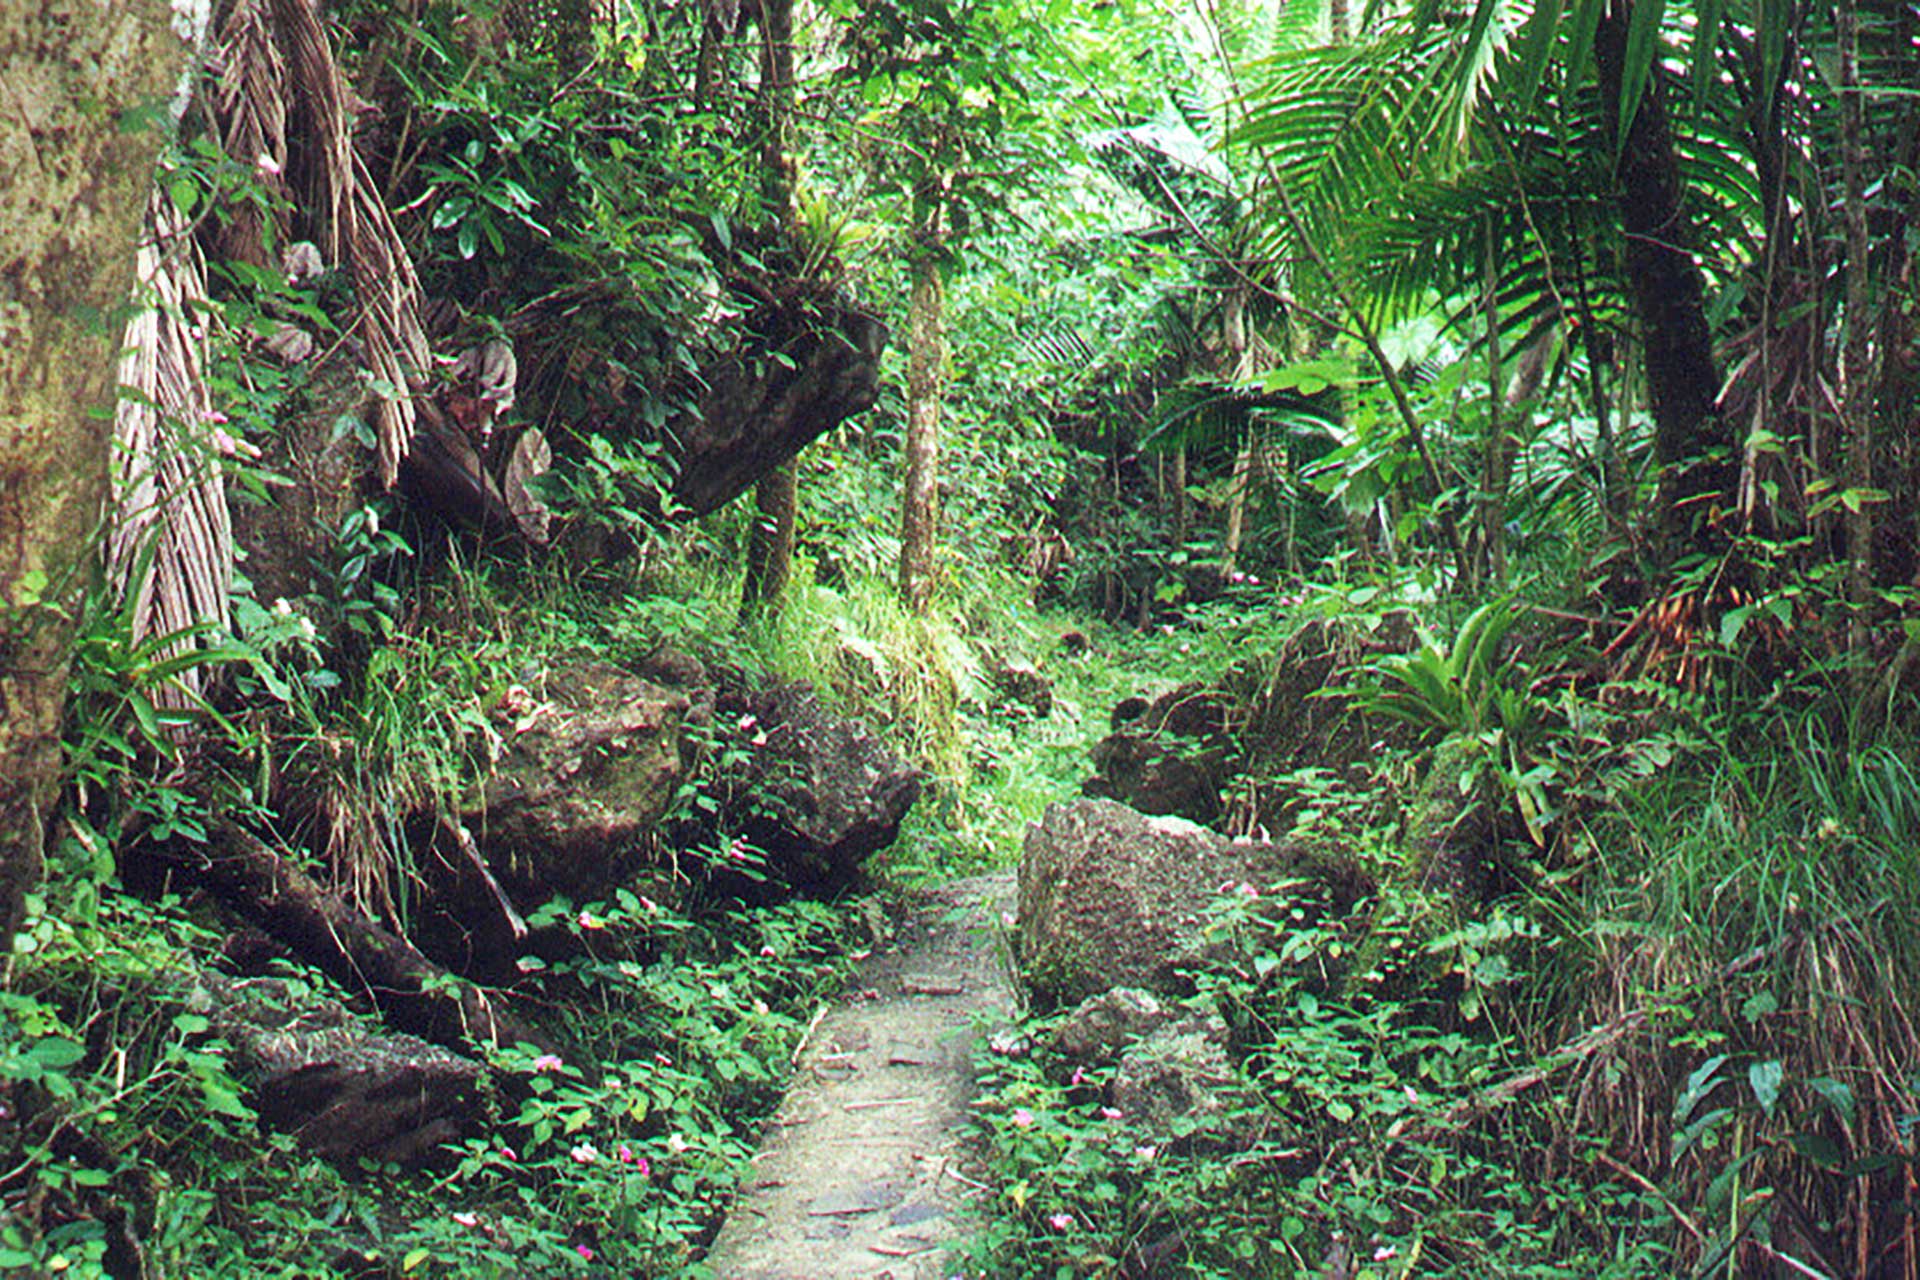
(926, 370)
(1857, 378)
(770, 544)
(920, 504)
(776, 497)
(73, 183)
(1692, 447)
(1182, 513)
(1235, 326)
(1491, 563)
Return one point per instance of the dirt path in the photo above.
(861, 1175)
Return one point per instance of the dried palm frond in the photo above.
(168, 489)
(354, 229)
(251, 105)
(323, 163)
(390, 327)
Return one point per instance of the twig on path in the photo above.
(875, 1102)
(895, 1251)
(807, 1035)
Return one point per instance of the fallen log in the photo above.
(418, 996)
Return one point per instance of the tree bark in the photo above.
(87, 87)
(926, 368)
(1693, 448)
(1857, 378)
(776, 497)
(770, 544)
(1234, 326)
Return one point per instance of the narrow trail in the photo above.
(861, 1174)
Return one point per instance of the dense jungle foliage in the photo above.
(1541, 375)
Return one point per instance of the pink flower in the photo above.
(1146, 1153)
(1022, 1118)
(547, 1062)
(1060, 1222)
(1110, 1113)
(586, 1254)
(467, 1219)
(266, 164)
(676, 1143)
(1384, 1252)
(585, 1153)
(768, 951)
(508, 1154)
(625, 1154)
(648, 903)
(587, 920)
(213, 416)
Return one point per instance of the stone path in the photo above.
(861, 1175)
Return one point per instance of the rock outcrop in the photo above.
(1178, 1082)
(1171, 757)
(1111, 897)
(815, 793)
(591, 762)
(342, 1089)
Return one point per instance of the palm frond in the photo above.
(170, 547)
(355, 229)
(250, 101)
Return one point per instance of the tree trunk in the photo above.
(926, 367)
(770, 544)
(776, 497)
(1181, 512)
(414, 993)
(77, 146)
(1490, 565)
(1857, 378)
(1693, 449)
(1234, 324)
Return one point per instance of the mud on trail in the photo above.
(863, 1173)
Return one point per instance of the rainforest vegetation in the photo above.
(440, 436)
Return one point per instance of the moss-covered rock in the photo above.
(1111, 897)
(591, 765)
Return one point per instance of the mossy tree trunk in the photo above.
(87, 85)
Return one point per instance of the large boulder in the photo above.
(815, 792)
(1110, 897)
(1170, 756)
(342, 1089)
(591, 763)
